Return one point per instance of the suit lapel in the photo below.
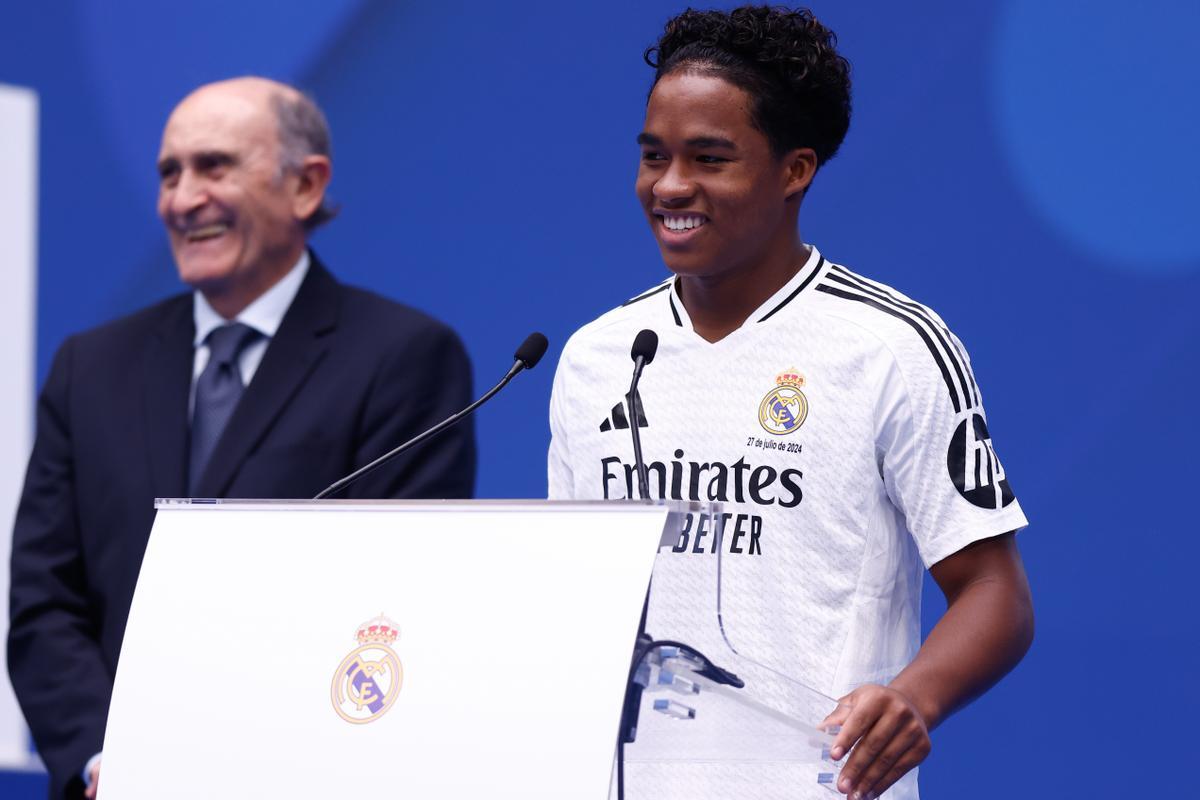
(296, 349)
(167, 383)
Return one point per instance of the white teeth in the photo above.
(207, 232)
(682, 223)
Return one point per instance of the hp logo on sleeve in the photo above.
(974, 467)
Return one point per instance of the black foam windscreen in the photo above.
(645, 345)
(531, 350)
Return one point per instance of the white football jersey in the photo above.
(843, 431)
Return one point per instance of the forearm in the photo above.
(987, 628)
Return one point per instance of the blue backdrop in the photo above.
(1027, 168)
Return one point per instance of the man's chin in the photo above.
(688, 265)
(216, 255)
(204, 274)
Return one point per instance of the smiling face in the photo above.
(230, 211)
(719, 201)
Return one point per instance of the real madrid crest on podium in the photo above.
(368, 680)
(785, 407)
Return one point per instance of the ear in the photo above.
(313, 178)
(801, 166)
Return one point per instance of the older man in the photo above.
(270, 379)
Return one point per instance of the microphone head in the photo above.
(645, 345)
(531, 350)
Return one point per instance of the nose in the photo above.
(189, 193)
(674, 184)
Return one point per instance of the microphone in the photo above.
(645, 345)
(527, 356)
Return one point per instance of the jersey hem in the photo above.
(948, 544)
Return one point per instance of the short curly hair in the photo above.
(784, 59)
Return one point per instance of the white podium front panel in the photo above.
(250, 667)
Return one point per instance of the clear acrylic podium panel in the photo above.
(698, 737)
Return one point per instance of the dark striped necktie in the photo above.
(218, 390)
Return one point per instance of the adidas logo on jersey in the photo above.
(617, 419)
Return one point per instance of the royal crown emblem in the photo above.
(785, 407)
(368, 680)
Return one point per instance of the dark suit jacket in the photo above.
(348, 376)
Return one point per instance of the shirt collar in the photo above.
(803, 278)
(264, 315)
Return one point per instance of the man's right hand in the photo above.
(93, 781)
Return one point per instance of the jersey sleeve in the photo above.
(560, 478)
(936, 456)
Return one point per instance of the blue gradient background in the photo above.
(1028, 169)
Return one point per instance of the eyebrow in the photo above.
(699, 142)
(210, 157)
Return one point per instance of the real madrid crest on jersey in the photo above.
(368, 680)
(785, 407)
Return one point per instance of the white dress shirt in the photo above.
(263, 315)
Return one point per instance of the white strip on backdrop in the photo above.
(18, 265)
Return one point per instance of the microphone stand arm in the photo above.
(416, 440)
(643, 483)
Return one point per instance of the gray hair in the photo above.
(303, 131)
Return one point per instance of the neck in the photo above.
(232, 298)
(720, 304)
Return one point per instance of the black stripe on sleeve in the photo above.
(674, 313)
(912, 309)
(924, 313)
(799, 289)
(916, 326)
(963, 358)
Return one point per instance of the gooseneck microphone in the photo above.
(527, 356)
(645, 345)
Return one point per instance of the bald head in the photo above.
(299, 124)
(244, 164)
(249, 87)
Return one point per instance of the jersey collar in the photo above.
(804, 278)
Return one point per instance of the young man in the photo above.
(837, 420)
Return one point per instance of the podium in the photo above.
(428, 649)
